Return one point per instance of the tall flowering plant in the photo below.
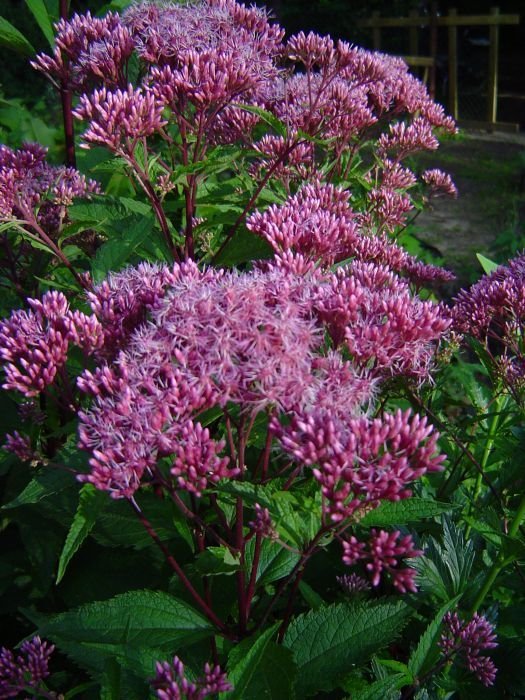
(222, 392)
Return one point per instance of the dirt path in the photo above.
(489, 215)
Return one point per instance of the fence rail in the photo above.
(452, 21)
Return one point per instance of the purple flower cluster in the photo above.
(34, 344)
(360, 461)
(468, 640)
(386, 330)
(493, 312)
(88, 51)
(255, 340)
(171, 683)
(203, 61)
(119, 119)
(26, 671)
(28, 182)
(383, 552)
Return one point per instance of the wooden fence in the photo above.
(414, 23)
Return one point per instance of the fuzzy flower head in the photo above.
(28, 182)
(88, 51)
(493, 312)
(120, 118)
(170, 682)
(383, 553)
(34, 344)
(467, 640)
(361, 461)
(25, 670)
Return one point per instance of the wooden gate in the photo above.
(452, 21)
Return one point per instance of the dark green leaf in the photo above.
(39, 11)
(418, 664)
(244, 663)
(214, 561)
(326, 642)
(91, 502)
(404, 512)
(138, 619)
(274, 677)
(47, 483)
(12, 39)
(117, 251)
(383, 688)
(275, 561)
(243, 247)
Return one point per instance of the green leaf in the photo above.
(49, 482)
(244, 662)
(327, 641)
(278, 126)
(214, 561)
(12, 39)
(418, 664)
(117, 251)
(383, 688)
(130, 623)
(91, 502)
(243, 247)
(487, 264)
(39, 11)
(275, 561)
(274, 676)
(404, 512)
(313, 598)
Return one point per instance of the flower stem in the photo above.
(178, 570)
(502, 560)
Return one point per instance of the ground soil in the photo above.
(488, 217)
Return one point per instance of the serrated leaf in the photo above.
(137, 619)
(419, 659)
(487, 264)
(11, 38)
(326, 642)
(244, 661)
(49, 482)
(383, 688)
(117, 251)
(91, 502)
(275, 561)
(118, 526)
(215, 561)
(274, 677)
(404, 512)
(39, 11)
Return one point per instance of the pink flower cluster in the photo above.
(26, 670)
(493, 311)
(360, 461)
(383, 552)
(468, 640)
(88, 51)
(34, 344)
(386, 330)
(120, 118)
(171, 683)
(19, 445)
(27, 181)
(318, 223)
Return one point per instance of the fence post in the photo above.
(453, 65)
(376, 32)
(492, 105)
(433, 47)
